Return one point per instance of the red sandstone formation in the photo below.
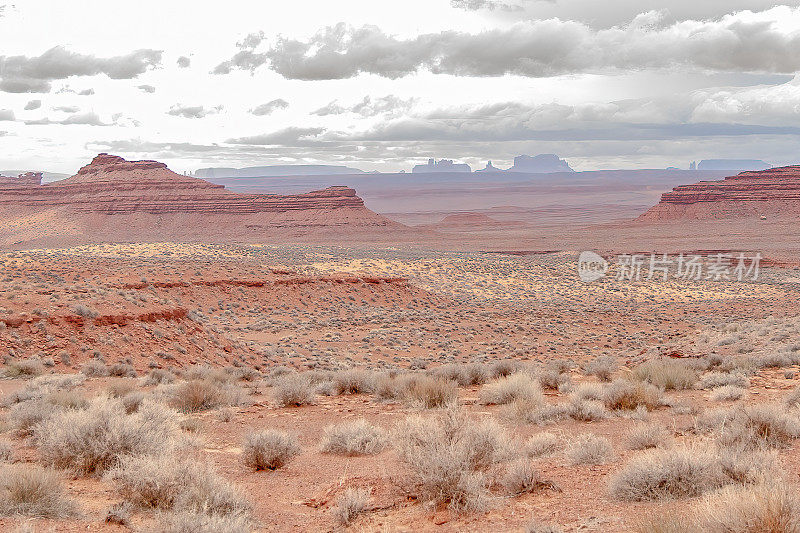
(772, 192)
(112, 199)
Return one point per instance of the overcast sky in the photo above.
(383, 85)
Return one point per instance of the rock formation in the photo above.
(540, 164)
(112, 199)
(772, 192)
(443, 165)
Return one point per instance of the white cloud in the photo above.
(270, 107)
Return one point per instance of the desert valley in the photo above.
(244, 288)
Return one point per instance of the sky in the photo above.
(383, 85)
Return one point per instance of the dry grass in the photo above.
(541, 527)
(766, 507)
(354, 381)
(727, 393)
(293, 390)
(602, 367)
(521, 477)
(350, 504)
(353, 438)
(516, 387)
(269, 449)
(93, 440)
(94, 369)
(666, 374)
(643, 436)
(197, 522)
(449, 455)
(204, 394)
(589, 449)
(167, 482)
(543, 444)
(712, 380)
(624, 395)
(31, 490)
(26, 368)
(752, 426)
(684, 472)
(431, 393)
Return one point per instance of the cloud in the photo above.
(368, 107)
(34, 74)
(491, 5)
(739, 42)
(88, 119)
(270, 107)
(33, 104)
(67, 109)
(286, 137)
(6, 115)
(147, 88)
(184, 62)
(199, 111)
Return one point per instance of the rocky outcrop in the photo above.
(540, 164)
(29, 179)
(772, 192)
(115, 199)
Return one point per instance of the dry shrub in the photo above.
(158, 376)
(521, 477)
(41, 386)
(94, 439)
(765, 507)
(31, 490)
(26, 368)
(587, 410)
(269, 449)
(198, 522)
(643, 436)
(94, 369)
(350, 504)
(121, 387)
(589, 449)
(431, 393)
(25, 417)
(752, 426)
(119, 513)
(666, 374)
(588, 391)
(516, 387)
(532, 412)
(774, 360)
(358, 437)
(504, 368)
(792, 399)
(6, 452)
(354, 381)
(684, 472)
(449, 455)
(712, 380)
(122, 370)
(167, 482)
(727, 393)
(204, 394)
(626, 395)
(293, 390)
(602, 367)
(543, 444)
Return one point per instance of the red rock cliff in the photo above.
(775, 191)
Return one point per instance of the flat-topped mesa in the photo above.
(29, 179)
(113, 185)
(774, 191)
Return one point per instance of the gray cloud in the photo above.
(539, 48)
(368, 107)
(88, 119)
(184, 62)
(86, 92)
(67, 109)
(291, 136)
(33, 104)
(270, 107)
(147, 88)
(199, 111)
(34, 74)
(6, 114)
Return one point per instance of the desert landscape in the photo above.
(245, 288)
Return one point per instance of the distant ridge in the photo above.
(275, 170)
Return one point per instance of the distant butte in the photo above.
(112, 199)
(771, 192)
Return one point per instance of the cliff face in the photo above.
(774, 191)
(115, 199)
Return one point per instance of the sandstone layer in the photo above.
(112, 199)
(753, 194)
